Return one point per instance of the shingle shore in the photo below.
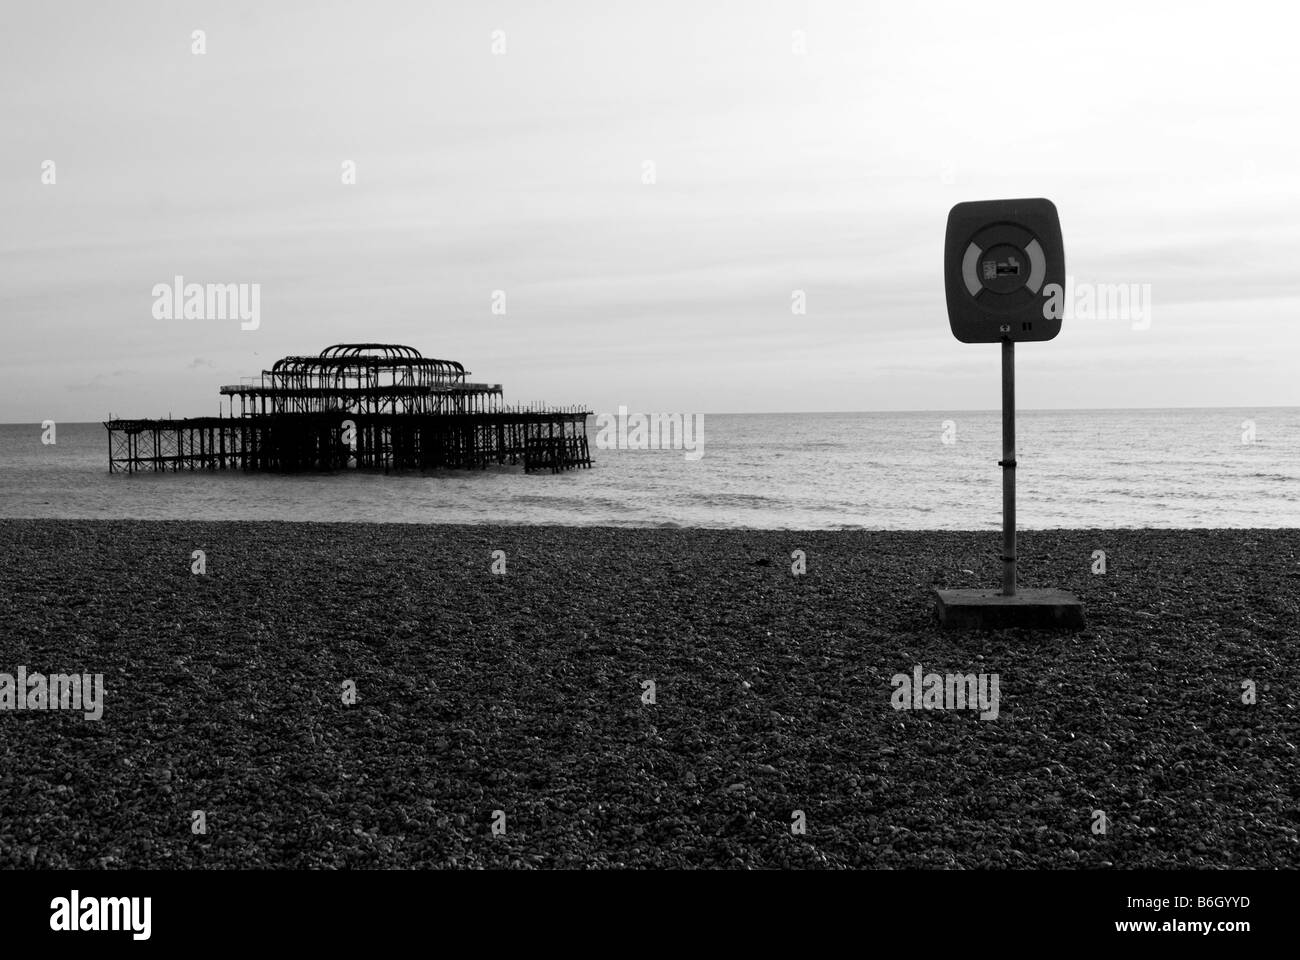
(523, 693)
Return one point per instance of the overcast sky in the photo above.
(1165, 134)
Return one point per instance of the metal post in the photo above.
(1008, 465)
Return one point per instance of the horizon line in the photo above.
(796, 413)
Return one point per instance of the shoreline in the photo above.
(994, 529)
(523, 692)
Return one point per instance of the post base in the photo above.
(989, 610)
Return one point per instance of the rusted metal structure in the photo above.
(370, 405)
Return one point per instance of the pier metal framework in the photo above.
(366, 405)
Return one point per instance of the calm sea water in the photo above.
(1087, 468)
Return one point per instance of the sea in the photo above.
(1176, 468)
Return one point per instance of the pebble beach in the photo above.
(336, 695)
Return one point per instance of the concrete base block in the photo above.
(990, 610)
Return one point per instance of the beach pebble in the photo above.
(514, 697)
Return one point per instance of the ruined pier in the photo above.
(366, 405)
